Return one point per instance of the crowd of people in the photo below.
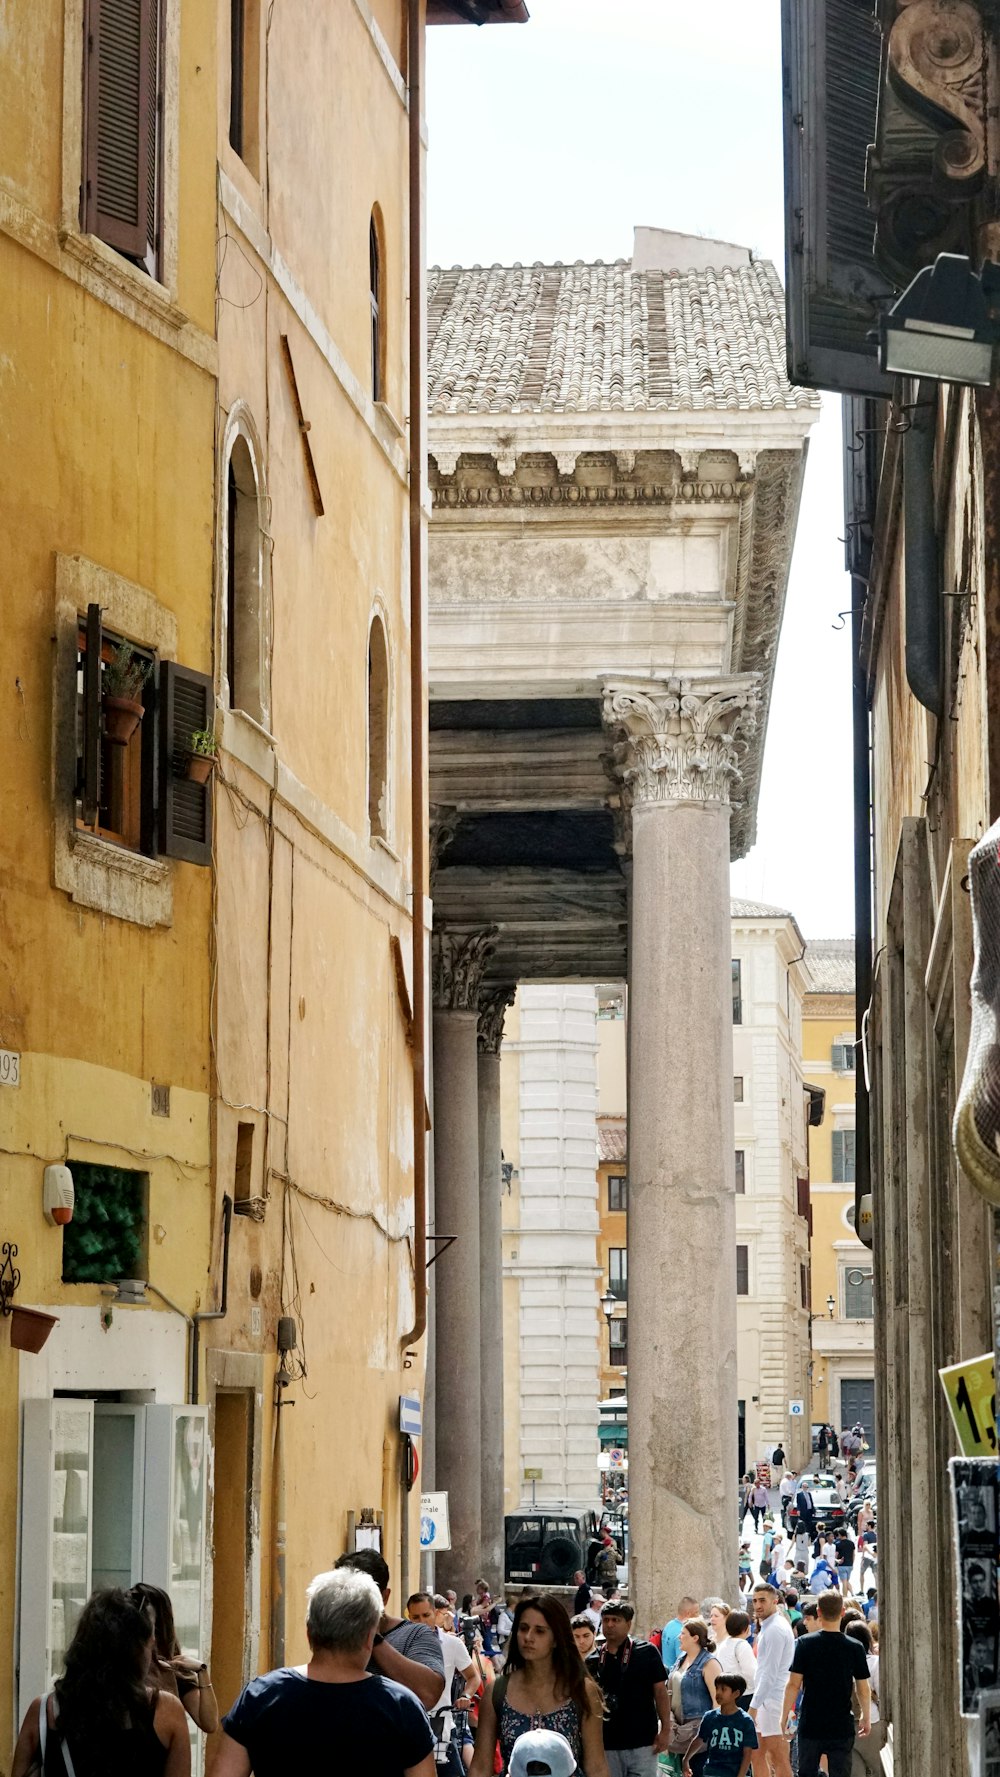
(477, 1687)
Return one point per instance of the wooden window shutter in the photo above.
(831, 52)
(92, 717)
(121, 126)
(186, 704)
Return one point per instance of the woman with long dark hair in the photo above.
(170, 1669)
(104, 1711)
(543, 1685)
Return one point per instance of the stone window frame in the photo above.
(240, 424)
(122, 279)
(95, 872)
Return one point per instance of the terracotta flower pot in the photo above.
(200, 767)
(122, 716)
(29, 1328)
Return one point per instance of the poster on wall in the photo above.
(974, 1492)
(989, 1733)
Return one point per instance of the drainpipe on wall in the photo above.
(922, 569)
(212, 1313)
(418, 805)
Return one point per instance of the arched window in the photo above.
(375, 293)
(378, 731)
(245, 652)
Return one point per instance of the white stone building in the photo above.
(551, 1274)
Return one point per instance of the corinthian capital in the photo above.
(458, 960)
(682, 740)
(492, 1010)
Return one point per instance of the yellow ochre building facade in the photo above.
(211, 992)
(843, 1330)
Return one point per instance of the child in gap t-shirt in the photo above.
(727, 1735)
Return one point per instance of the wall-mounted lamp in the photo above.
(943, 326)
(831, 1306)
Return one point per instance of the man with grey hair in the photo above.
(332, 1715)
(408, 1652)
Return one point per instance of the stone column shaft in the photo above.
(491, 1287)
(458, 963)
(679, 755)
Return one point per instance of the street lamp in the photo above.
(942, 326)
(608, 1308)
(831, 1306)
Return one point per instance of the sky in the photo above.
(552, 140)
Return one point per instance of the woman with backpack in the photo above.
(104, 1718)
(543, 1685)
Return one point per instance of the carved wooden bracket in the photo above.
(932, 149)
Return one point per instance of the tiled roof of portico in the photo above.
(605, 338)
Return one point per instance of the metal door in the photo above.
(857, 1402)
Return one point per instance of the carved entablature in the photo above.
(682, 741)
(931, 150)
(624, 479)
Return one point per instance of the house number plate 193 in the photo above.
(10, 1068)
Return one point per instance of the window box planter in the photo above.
(29, 1328)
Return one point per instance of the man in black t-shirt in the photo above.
(331, 1716)
(633, 1680)
(827, 1667)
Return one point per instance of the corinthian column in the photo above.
(678, 752)
(493, 1006)
(459, 958)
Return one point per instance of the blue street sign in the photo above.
(409, 1414)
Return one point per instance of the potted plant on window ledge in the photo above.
(203, 755)
(121, 693)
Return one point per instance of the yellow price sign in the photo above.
(970, 1389)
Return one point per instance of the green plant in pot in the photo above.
(203, 754)
(122, 682)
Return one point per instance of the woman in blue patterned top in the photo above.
(544, 1685)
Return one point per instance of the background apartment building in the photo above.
(843, 1329)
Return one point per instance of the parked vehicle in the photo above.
(830, 1508)
(547, 1546)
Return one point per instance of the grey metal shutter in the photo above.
(831, 52)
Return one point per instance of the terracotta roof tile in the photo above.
(830, 962)
(604, 338)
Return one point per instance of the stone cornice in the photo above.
(492, 1011)
(623, 496)
(682, 741)
(459, 960)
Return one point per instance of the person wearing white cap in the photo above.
(543, 1685)
(542, 1754)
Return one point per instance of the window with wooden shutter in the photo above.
(843, 1156)
(114, 771)
(122, 119)
(802, 1203)
(186, 705)
(831, 51)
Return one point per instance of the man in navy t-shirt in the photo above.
(331, 1716)
(727, 1735)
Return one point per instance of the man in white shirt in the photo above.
(775, 1646)
(786, 1493)
(421, 1607)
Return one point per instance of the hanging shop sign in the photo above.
(971, 1394)
(975, 1494)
